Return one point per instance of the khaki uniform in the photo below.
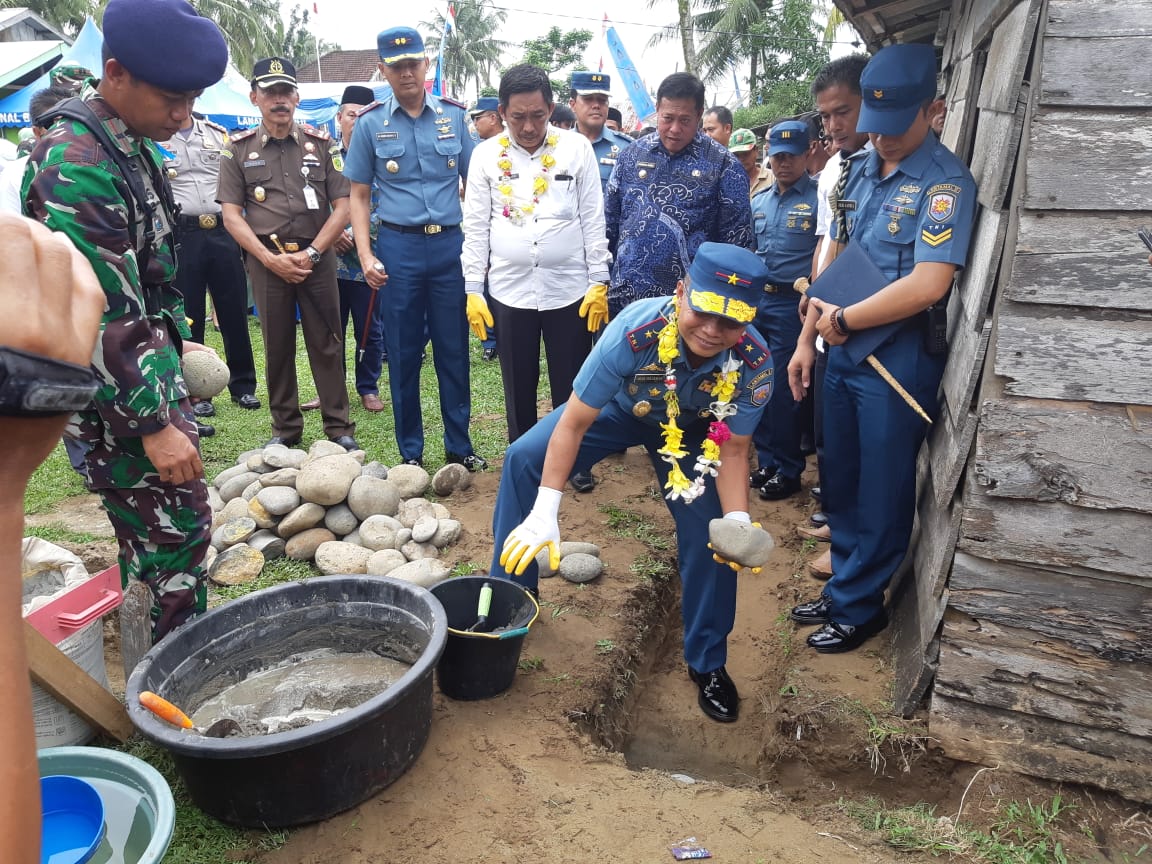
(286, 187)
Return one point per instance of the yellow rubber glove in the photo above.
(479, 318)
(595, 307)
(539, 530)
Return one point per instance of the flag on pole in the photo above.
(603, 37)
(449, 25)
(316, 43)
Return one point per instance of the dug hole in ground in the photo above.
(599, 752)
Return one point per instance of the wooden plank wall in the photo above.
(986, 52)
(1044, 661)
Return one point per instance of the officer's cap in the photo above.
(894, 84)
(592, 83)
(398, 44)
(272, 71)
(791, 136)
(165, 43)
(357, 94)
(726, 280)
(742, 141)
(484, 104)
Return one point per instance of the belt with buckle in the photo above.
(418, 229)
(777, 288)
(288, 245)
(205, 221)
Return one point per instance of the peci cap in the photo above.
(726, 280)
(483, 105)
(591, 83)
(791, 136)
(742, 141)
(357, 94)
(614, 114)
(397, 44)
(272, 71)
(893, 86)
(194, 55)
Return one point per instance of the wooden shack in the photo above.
(1025, 609)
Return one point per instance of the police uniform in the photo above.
(923, 211)
(162, 528)
(609, 144)
(785, 226)
(416, 164)
(624, 378)
(209, 258)
(286, 187)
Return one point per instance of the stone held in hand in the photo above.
(205, 374)
(741, 542)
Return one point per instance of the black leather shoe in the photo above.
(584, 482)
(816, 611)
(204, 408)
(807, 444)
(835, 638)
(283, 442)
(346, 441)
(817, 493)
(819, 518)
(204, 430)
(472, 462)
(778, 487)
(718, 697)
(419, 463)
(489, 354)
(247, 400)
(759, 477)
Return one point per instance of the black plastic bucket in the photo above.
(481, 665)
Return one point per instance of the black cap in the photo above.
(273, 70)
(357, 94)
(614, 114)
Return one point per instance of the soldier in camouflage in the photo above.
(144, 459)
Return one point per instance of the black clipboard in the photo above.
(853, 276)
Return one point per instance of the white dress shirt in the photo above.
(10, 179)
(549, 259)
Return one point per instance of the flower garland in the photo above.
(723, 389)
(513, 212)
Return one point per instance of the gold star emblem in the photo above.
(732, 280)
(649, 333)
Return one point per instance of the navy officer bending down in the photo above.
(688, 378)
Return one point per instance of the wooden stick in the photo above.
(55, 671)
(276, 242)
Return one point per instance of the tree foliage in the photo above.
(473, 49)
(66, 15)
(558, 51)
(297, 42)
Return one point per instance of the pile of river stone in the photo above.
(326, 505)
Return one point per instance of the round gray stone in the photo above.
(205, 374)
(228, 473)
(327, 479)
(353, 537)
(371, 496)
(234, 509)
(214, 499)
(440, 511)
(279, 456)
(251, 489)
(375, 469)
(742, 542)
(447, 533)
(280, 477)
(303, 546)
(233, 531)
(580, 567)
(404, 535)
(278, 500)
(451, 478)
(236, 485)
(544, 565)
(424, 529)
(413, 509)
(572, 547)
(336, 557)
(382, 563)
(323, 448)
(376, 534)
(236, 565)
(410, 480)
(413, 550)
(256, 463)
(267, 544)
(424, 572)
(340, 520)
(301, 519)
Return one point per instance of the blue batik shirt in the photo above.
(659, 207)
(785, 226)
(415, 163)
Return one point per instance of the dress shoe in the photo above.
(821, 566)
(822, 534)
(818, 518)
(419, 463)
(472, 462)
(817, 493)
(583, 482)
(371, 402)
(346, 441)
(204, 408)
(778, 487)
(760, 476)
(489, 354)
(807, 444)
(813, 612)
(204, 430)
(247, 401)
(310, 405)
(835, 638)
(718, 697)
(283, 442)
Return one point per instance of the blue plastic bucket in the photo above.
(71, 820)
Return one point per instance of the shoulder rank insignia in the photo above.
(371, 106)
(215, 126)
(247, 133)
(451, 101)
(646, 334)
(753, 352)
(321, 134)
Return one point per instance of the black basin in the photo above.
(307, 774)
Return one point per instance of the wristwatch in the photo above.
(313, 255)
(35, 386)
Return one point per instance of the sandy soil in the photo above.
(576, 762)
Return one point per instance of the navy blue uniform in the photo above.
(416, 165)
(922, 211)
(785, 227)
(608, 148)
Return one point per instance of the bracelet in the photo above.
(32, 385)
(839, 324)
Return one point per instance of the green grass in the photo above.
(605, 646)
(275, 572)
(58, 533)
(628, 523)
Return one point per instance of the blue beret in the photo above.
(484, 103)
(726, 280)
(398, 44)
(791, 136)
(894, 84)
(589, 83)
(165, 43)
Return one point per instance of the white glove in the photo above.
(539, 530)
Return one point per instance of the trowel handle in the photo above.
(509, 634)
(165, 710)
(485, 604)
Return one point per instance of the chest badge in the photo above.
(391, 167)
(309, 146)
(253, 155)
(641, 408)
(259, 194)
(451, 163)
(171, 173)
(894, 226)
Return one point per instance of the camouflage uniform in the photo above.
(163, 529)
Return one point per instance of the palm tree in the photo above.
(472, 48)
(684, 28)
(252, 28)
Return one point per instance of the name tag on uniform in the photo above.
(607, 161)
(445, 136)
(387, 136)
(310, 198)
(255, 163)
(645, 164)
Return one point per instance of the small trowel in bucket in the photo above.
(483, 607)
(168, 712)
